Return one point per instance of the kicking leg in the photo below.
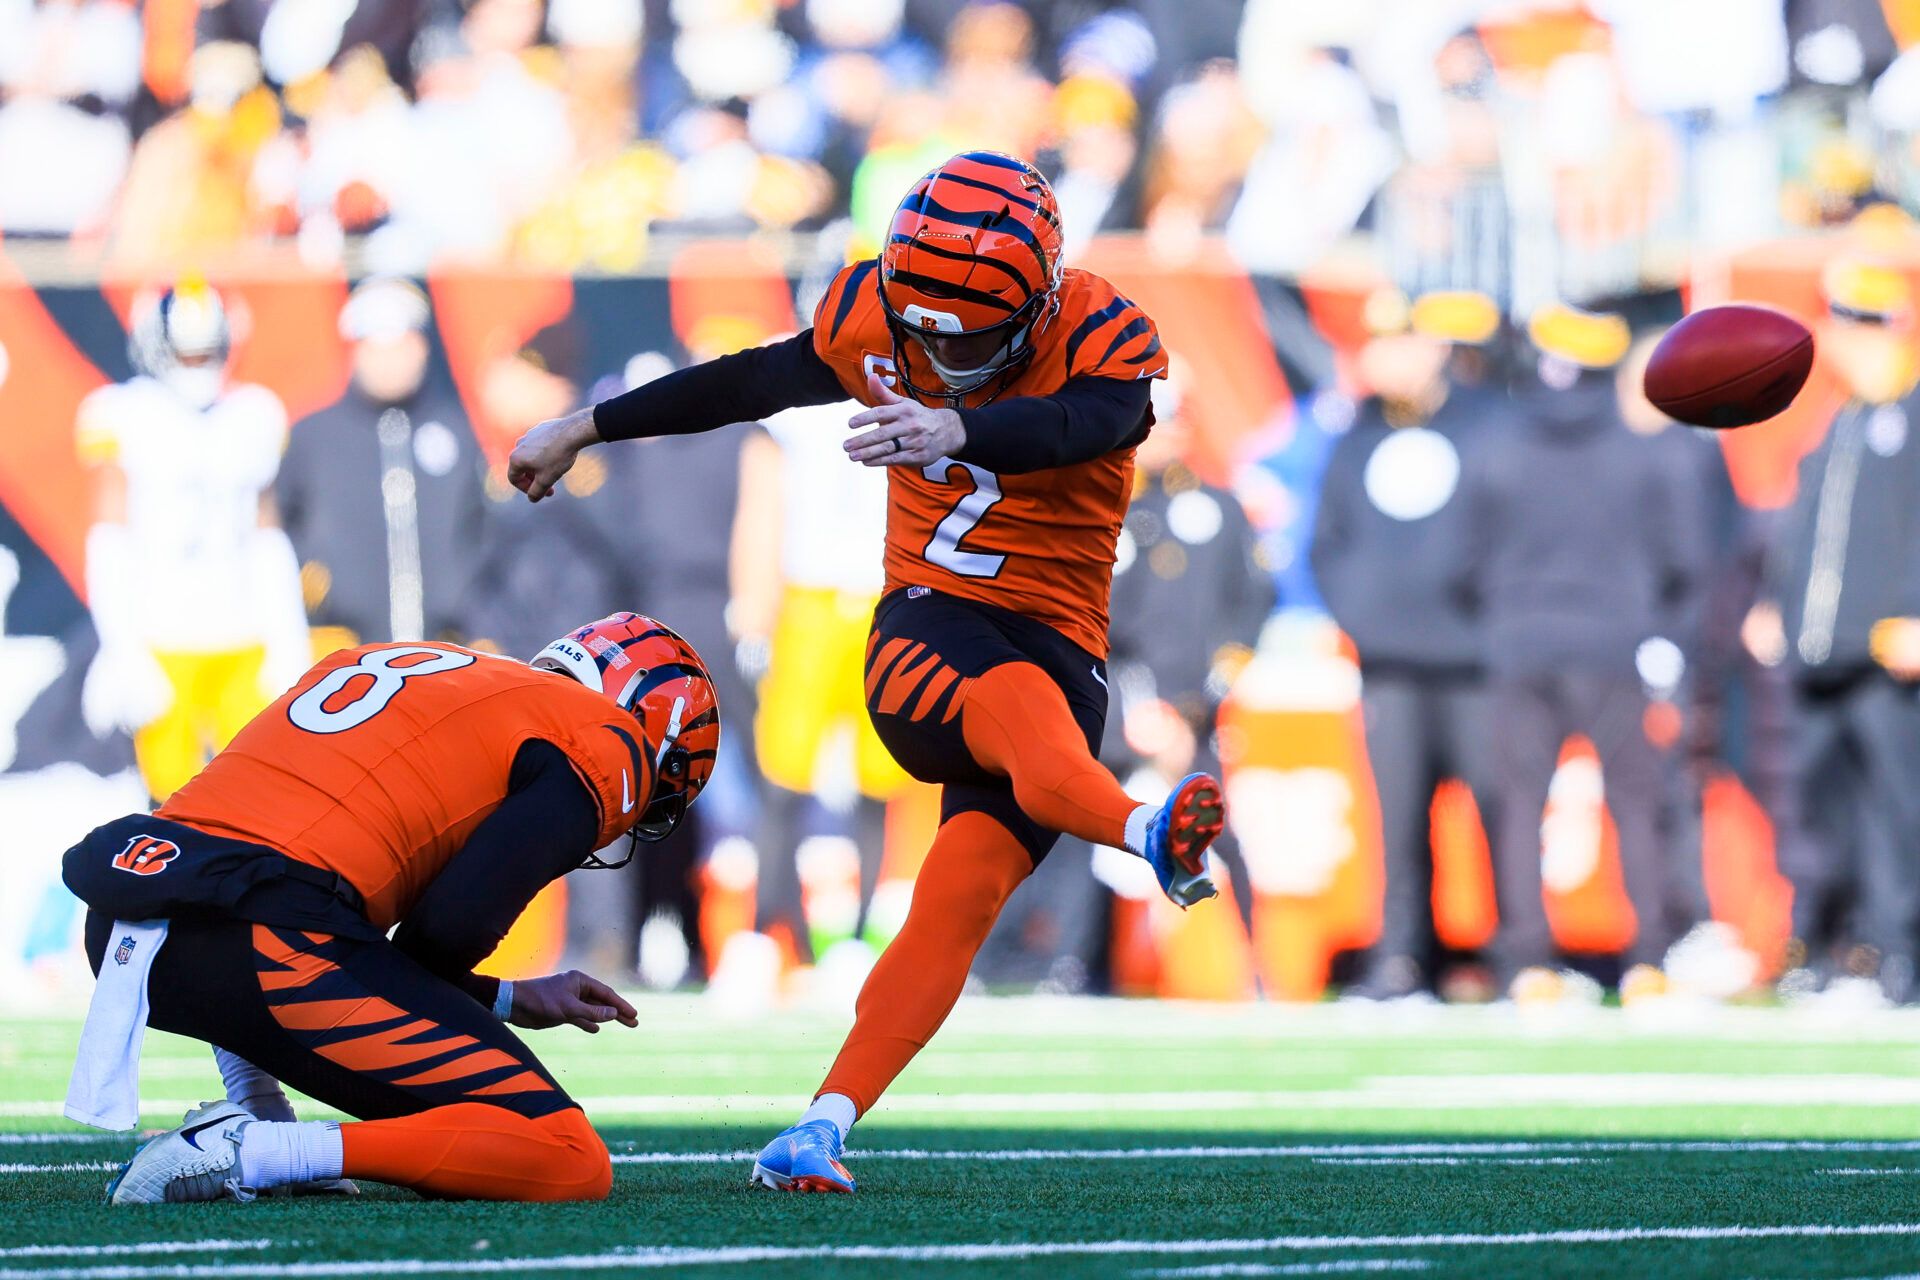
(1017, 724)
(975, 863)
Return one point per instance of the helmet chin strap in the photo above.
(672, 734)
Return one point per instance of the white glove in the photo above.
(280, 612)
(125, 686)
(125, 689)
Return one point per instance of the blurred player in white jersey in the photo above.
(833, 517)
(194, 589)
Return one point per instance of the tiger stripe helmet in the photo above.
(646, 669)
(974, 249)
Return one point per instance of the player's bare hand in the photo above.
(571, 998)
(905, 432)
(547, 452)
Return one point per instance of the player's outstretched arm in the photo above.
(743, 387)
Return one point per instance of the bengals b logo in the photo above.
(146, 855)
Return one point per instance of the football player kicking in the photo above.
(419, 785)
(1006, 394)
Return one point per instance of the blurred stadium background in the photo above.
(435, 222)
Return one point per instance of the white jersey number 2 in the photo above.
(309, 711)
(944, 547)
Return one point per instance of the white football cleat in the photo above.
(200, 1160)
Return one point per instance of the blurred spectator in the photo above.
(1094, 118)
(1847, 624)
(1204, 141)
(193, 587)
(300, 38)
(864, 59)
(600, 216)
(1578, 577)
(190, 190)
(1388, 551)
(725, 183)
(1324, 156)
(382, 492)
(357, 153)
(488, 142)
(68, 71)
(810, 660)
(995, 97)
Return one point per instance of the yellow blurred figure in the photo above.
(193, 587)
(815, 690)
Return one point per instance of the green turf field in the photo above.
(1113, 1139)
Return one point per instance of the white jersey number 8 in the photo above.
(309, 710)
(944, 547)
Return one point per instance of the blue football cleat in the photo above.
(1178, 836)
(804, 1158)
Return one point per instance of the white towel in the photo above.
(105, 1089)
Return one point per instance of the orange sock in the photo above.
(473, 1151)
(1016, 722)
(973, 865)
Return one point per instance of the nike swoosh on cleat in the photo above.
(210, 1124)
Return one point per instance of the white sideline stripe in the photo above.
(1634, 1091)
(153, 1246)
(1480, 1150)
(1451, 1160)
(69, 1166)
(658, 1257)
(1869, 1172)
(1352, 1153)
(1341, 1266)
(41, 1139)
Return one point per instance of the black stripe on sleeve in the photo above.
(1138, 326)
(1093, 322)
(849, 294)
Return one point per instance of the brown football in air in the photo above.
(1729, 366)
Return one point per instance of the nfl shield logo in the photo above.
(124, 952)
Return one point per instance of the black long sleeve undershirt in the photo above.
(546, 827)
(742, 387)
(1084, 419)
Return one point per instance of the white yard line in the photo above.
(1339, 1266)
(1353, 1151)
(154, 1246)
(1869, 1172)
(1442, 1153)
(656, 1258)
(42, 1139)
(1454, 1160)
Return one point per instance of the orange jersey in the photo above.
(1040, 544)
(382, 760)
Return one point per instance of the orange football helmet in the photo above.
(974, 250)
(645, 668)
